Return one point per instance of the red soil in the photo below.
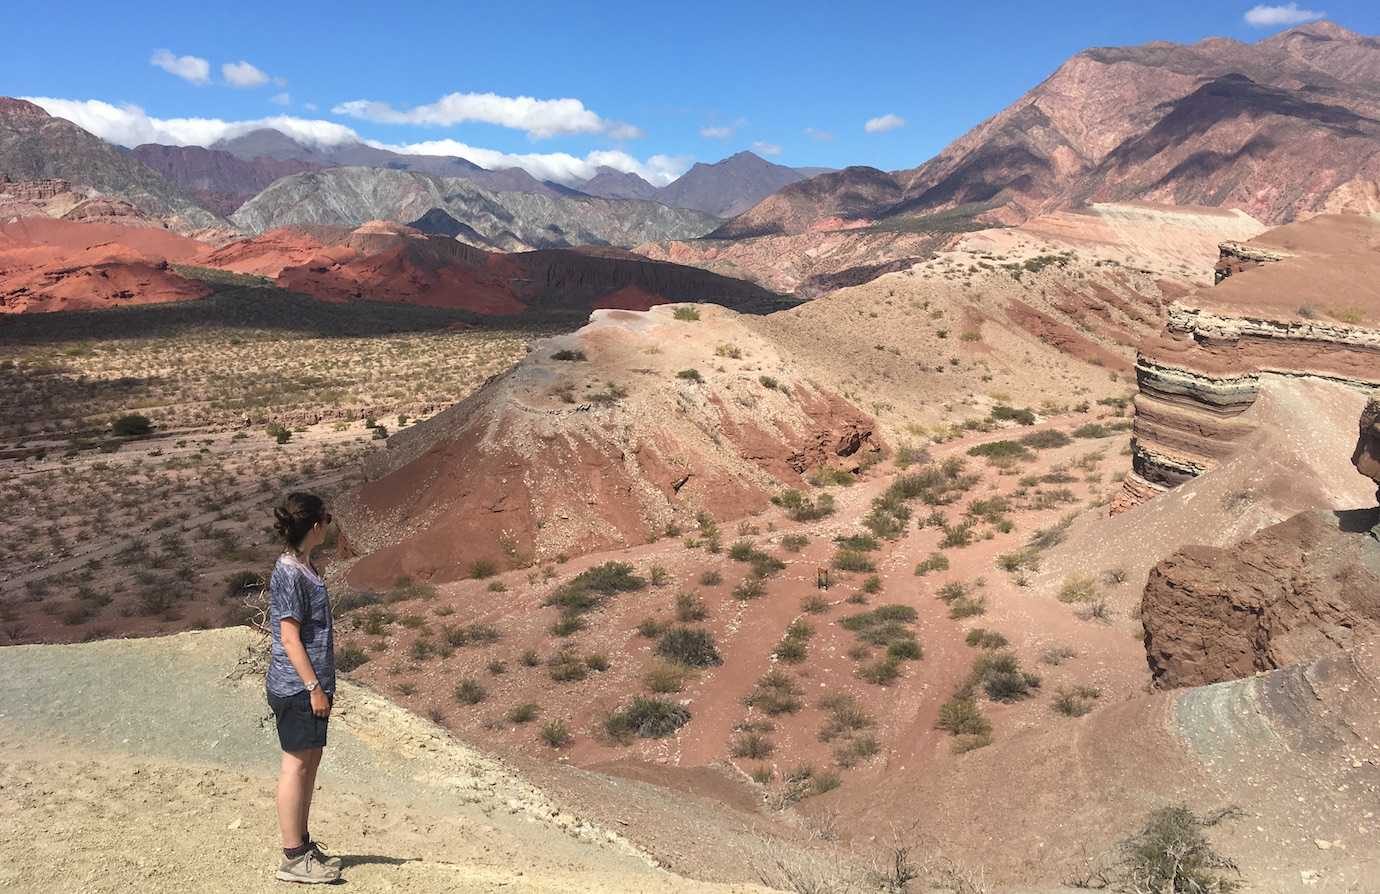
(53, 265)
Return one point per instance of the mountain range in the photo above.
(1286, 126)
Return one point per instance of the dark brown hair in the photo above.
(297, 515)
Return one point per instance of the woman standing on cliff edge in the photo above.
(300, 681)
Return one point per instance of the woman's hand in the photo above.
(320, 704)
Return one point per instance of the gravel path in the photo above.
(149, 765)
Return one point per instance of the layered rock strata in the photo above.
(1301, 300)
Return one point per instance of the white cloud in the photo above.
(716, 133)
(281, 99)
(309, 106)
(539, 118)
(562, 167)
(884, 123)
(188, 68)
(619, 130)
(243, 74)
(820, 136)
(129, 125)
(762, 148)
(1263, 16)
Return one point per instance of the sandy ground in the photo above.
(149, 765)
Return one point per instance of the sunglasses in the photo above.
(325, 520)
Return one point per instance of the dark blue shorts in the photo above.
(298, 728)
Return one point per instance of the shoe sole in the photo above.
(289, 877)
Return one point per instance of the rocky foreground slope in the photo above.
(1305, 302)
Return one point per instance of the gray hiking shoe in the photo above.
(325, 858)
(308, 870)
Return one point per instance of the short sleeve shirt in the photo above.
(296, 592)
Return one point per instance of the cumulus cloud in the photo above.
(129, 125)
(762, 148)
(1263, 16)
(562, 167)
(281, 99)
(884, 123)
(819, 136)
(243, 74)
(717, 133)
(193, 69)
(539, 118)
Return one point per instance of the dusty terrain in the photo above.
(108, 790)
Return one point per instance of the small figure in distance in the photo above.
(300, 681)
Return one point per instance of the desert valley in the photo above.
(1005, 523)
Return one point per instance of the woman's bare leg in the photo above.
(309, 790)
(294, 793)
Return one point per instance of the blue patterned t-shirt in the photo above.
(295, 591)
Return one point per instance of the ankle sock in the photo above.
(292, 853)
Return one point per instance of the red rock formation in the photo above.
(1300, 300)
(562, 457)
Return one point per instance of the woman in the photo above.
(300, 681)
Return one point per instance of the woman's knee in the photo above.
(301, 763)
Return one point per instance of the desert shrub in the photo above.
(1096, 610)
(1092, 430)
(831, 476)
(951, 591)
(590, 587)
(1114, 576)
(131, 425)
(611, 394)
(597, 661)
(982, 638)
(421, 649)
(752, 745)
(1075, 701)
(405, 589)
(1172, 853)
(774, 693)
(1057, 655)
(791, 651)
(350, 658)
(690, 375)
(968, 607)
(750, 587)
(999, 675)
(815, 605)
(997, 450)
(858, 542)
(1078, 588)
(686, 313)
(1019, 560)
(851, 560)
(470, 692)
(905, 650)
(1047, 538)
(555, 734)
(990, 509)
(844, 716)
(568, 355)
(690, 607)
(566, 667)
(794, 543)
(935, 562)
(1046, 440)
(882, 672)
(523, 713)
(646, 718)
(692, 646)
(768, 382)
(908, 455)
(483, 568)
(665, 676)
(278, 432)
(1022, 415)
(957, 535)
(711, 578)
(530, 658)
(651, 628)
(963, 717)
(567, 624)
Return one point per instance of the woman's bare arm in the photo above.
(290, 632)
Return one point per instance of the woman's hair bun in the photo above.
(296, 515)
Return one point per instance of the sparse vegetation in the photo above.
(691, 646)
(687, 313)
(775, 693)
(647, 718)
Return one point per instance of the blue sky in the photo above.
(649, 89)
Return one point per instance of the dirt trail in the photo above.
(149, 765)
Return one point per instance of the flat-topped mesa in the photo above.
(1299, 300)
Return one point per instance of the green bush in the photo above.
(131, 425)
(470, 692)
(692, 646)
(687, 313)
(982, 638)
(647, 718)
(568, 355)
(935, 562)
(963, 717)
(752, 745)
(555, 734)
(849, 560)
(882, 672)
(350, 658)
(690, 375)
(524, 713)
(1021, 415)
(774, 693)
(1001, 450)
(1046, 440)
(585, 591)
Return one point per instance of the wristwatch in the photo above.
(311, 687)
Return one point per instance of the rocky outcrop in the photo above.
(1366, 456)
(568, 456)
(1301, 300)
(33, 190)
